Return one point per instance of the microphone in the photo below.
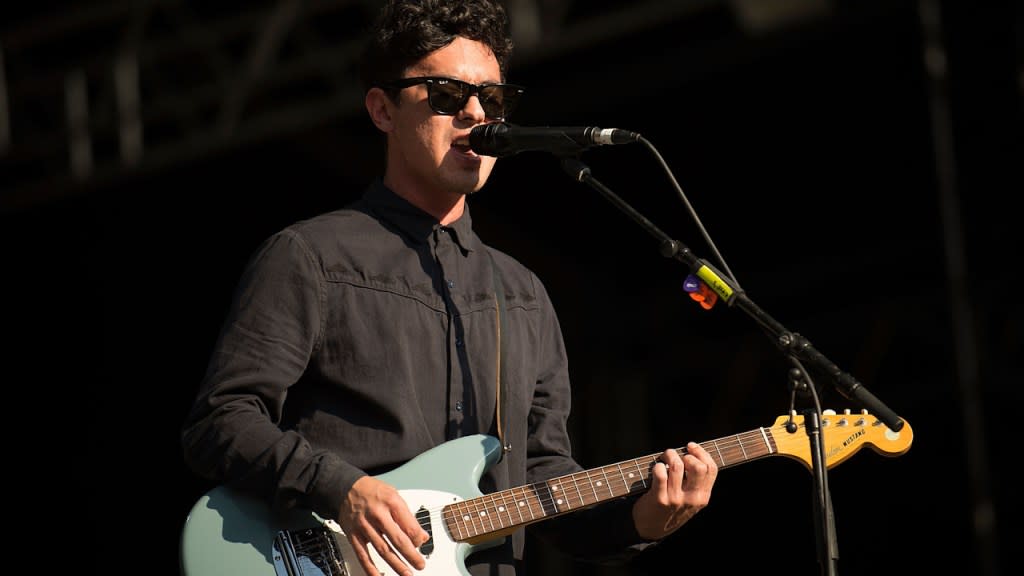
(501, 139)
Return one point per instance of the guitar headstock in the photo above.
(843, 435)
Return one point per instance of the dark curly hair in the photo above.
(408, 30)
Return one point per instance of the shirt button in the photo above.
(451, 283)
(458, 406)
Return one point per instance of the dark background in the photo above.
(860, 186)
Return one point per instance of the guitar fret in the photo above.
(741, 447)
(486, 513)
(465, 519)
(542, 500)
(729, 452)
(466, 515)
(520, 504)
(577, 487)
(454, 519)
(557, 498)
(607, 483)
(764, 435)
(469, 516)
(757, 447)
(504, 504)
(513, 509)
(648, 466)
(623, 476)
(504, 514)
(717, 450)
(595, 483)
(729, 456)
(562, 497)
(469, 519)
(544, 497)
(558, 491)
(525, 502)
(593, 488)
(643, 479)
(463, 529)
(475, 516)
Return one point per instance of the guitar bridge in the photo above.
(309, 552)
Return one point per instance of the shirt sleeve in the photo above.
(233, 433)
(602, 534)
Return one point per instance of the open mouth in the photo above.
(462, 145)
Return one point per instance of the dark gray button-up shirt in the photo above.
(363, 337)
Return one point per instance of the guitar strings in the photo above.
(477, 513)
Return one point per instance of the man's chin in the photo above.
(468, 184)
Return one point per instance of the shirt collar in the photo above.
(414, 222)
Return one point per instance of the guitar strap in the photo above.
(500, 327)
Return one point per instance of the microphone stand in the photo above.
(791, 343)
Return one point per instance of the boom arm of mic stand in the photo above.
(790, 342)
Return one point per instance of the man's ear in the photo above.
(379, 106)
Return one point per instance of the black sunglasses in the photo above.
(447, 95)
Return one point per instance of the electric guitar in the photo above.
(231, 534)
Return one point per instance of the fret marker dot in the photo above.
(483, 513)
(598, 482)
(554, 488)
(521, 503)
(501, 508)
(466, 517)
(559, 501)
(630, 474)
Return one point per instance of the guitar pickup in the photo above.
(423, 517)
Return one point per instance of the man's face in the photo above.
(428, 153)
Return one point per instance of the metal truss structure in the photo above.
(91, 91)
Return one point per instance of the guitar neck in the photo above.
(487, 516)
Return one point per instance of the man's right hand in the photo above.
(375, 514)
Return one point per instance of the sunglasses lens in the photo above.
(498, 101)
(448, 97)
